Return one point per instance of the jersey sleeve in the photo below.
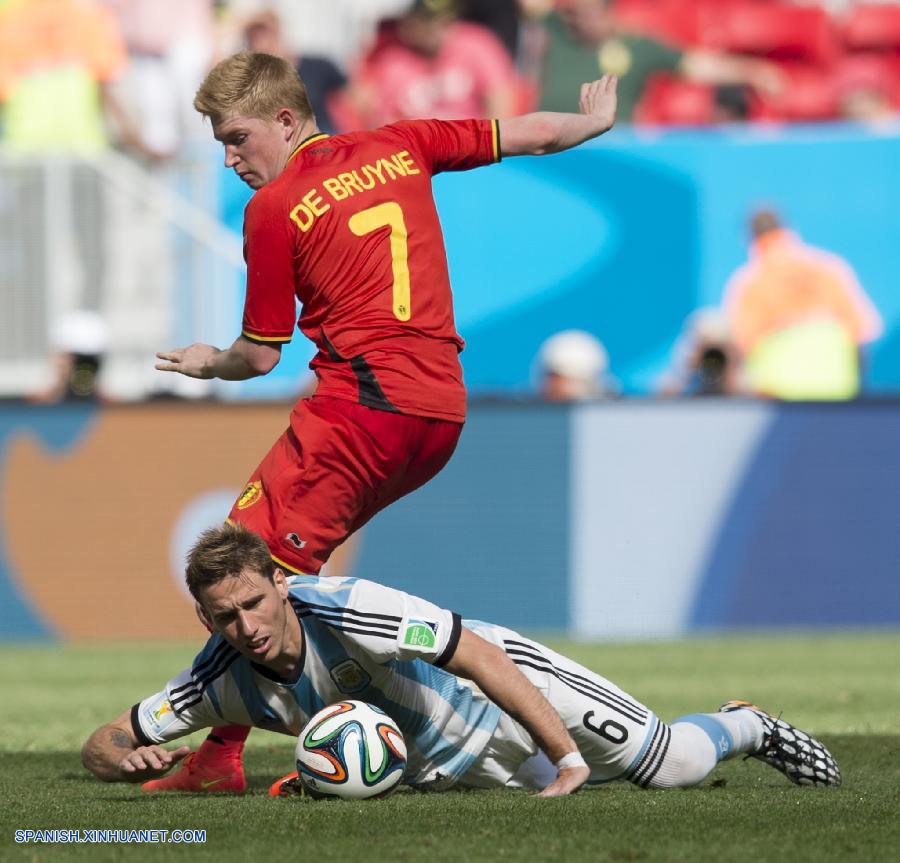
(453, 145)
(270, 307)
(390, 624)
(170, 714)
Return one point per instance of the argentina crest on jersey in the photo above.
(349, 676)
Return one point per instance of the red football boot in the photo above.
(287, 786)
(213, 768)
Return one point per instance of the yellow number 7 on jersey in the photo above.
(389, 215)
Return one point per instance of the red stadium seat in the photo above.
(873, 27)
(670, 101)
(796, 33)
(667, 20)
(874, 73)
(811, 95)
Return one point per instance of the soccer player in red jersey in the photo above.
(346, 225)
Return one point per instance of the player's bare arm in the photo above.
(244, 359)
(496, 674)
(112, 753)
(549, 132)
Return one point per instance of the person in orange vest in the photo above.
(798, 317)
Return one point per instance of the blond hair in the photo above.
(252, 85)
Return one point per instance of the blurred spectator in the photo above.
(798, 316)
(868, 96)
(262, 34)
(573, 366)
(57, 60)
(868, 106)
(731, 104)
(841, 7)
(79, 342)
(706, 361)
(584, 41)
(501, 17)
(170, 44)
(427, 63)
(531, 49)
(340, 30)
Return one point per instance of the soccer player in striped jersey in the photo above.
(479, 705)
(346, 226)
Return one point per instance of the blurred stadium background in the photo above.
(629, 517)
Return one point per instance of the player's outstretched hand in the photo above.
(598, 99)
(191, 361)
(152, 761)
(568, 781)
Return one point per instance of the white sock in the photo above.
(744, 726)
(699, 741)
(732, 733)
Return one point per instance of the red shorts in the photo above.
(337, 465)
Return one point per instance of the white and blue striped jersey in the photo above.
(372, 643)
(361, 640)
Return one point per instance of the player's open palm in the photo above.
(568, 781)
(190, 361)
(598, 99)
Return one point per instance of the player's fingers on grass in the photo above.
(177, 754)
(153, 760)
(135, 761)
(568, 782)
(165, 758)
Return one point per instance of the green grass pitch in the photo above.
(844, 688)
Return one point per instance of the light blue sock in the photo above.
(731, 733)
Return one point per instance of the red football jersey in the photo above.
(350, 229)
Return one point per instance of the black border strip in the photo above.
(136, 727)
(452, 643)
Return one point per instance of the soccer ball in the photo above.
(351, 750)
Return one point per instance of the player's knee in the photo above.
(688, 760)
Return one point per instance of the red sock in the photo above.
(225, 741)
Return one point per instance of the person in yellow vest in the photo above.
(798, 316)
(57, 58)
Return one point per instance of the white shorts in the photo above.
(618, 736)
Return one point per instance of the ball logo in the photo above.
(250, 495)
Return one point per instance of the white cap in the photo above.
(574, 354)
(80, 332)
(708, 324)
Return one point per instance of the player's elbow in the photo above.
(91, 760)
(262, 364)
(260, 358)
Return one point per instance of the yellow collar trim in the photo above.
(318, 136)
